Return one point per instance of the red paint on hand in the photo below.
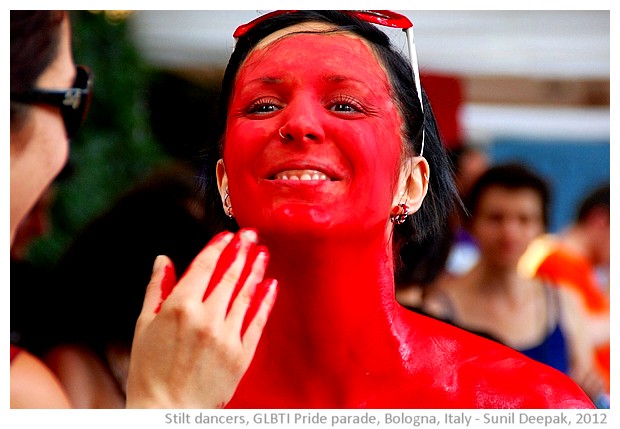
(168, 283)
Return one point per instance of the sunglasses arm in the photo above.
(416, 76)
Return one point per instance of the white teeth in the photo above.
(303, 175)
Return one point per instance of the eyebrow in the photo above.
(338, 78)
(266, 79)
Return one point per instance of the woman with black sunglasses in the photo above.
(328, 155)
(49, 101)
(41, 58)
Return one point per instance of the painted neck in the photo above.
(333, 295)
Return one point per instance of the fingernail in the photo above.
(227, 237)
(263, 253)
(249, 235)
(159, 260)
(273, 286)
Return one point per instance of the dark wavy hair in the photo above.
(35, 35)
(442, 195)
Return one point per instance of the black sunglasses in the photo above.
(73, 102)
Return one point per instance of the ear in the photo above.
(412, 183)
(222, 181)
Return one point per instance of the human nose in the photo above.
(512, 229)
(302, 122)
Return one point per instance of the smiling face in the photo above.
(313, 139)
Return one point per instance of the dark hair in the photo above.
(598, 198)
(509, 176)
(34, 45)
(442, 195)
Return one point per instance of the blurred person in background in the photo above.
(508, 206)
(577, 259)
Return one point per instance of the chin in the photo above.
(299, 223)
(298, 220)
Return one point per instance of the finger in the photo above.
(258, 313)
(153, 294)
(199, 273)
(240, 303)
(168, 282)
(230, 273)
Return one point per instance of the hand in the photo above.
(195, 340)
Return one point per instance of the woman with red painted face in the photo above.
(327, 153)
(190, 351)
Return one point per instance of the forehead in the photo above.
(316, 47)
(500, 197)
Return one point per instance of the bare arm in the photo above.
(581, 347)
(33, 385)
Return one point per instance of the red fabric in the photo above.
(446, 96)
(14, 352)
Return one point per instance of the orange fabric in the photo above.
(577, 273)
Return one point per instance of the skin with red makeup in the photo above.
(313, 160)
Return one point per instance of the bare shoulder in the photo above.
(85, 377)
(34, 385)
(439, 298)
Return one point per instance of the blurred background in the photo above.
(531, 86)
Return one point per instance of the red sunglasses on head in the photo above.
(386, 18)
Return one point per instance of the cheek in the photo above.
(374, 152)
(244, 141)
(51, 141)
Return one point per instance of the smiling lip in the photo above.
(302, 175)
(304, 172)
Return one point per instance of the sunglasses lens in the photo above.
(74, 118)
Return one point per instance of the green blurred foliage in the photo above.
(116, 146)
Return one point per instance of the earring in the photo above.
(399, 214)
(228, 205)
(286, 136)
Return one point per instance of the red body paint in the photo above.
(226, 259)
(168, 283)
(336, 338)
(257, 299)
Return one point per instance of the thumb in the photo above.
(162, 282)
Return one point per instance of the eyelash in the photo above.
(339, 100)
(347, 100)
(262, 102)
